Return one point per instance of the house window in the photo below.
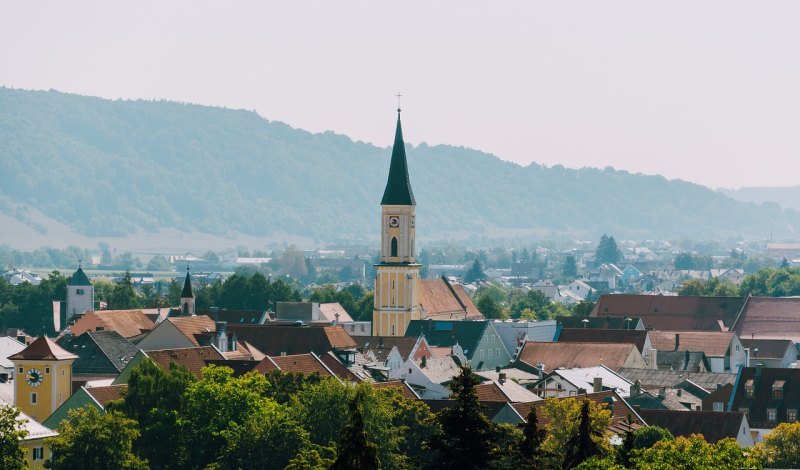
(772, 414)
(777, 393)
(481, 354)
(492, 338)
(497, 353)
(63, 371)
(38, 453)
(717, 406)
(749, 390)
(79, 291)
(33, 398)
(394, 246)
(20, 370)
(490, 354)
(46, 370)
(737, 348)
(791, 416)
(362, 327)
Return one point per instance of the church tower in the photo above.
(397, 281)
(80, 294)
(187, 296)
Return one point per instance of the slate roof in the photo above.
(446, 333)
(79, 279)
(187, 286)
(104, 395)
(398, 185)
(99, 352)
(763, 380)
(42, 349)
(273, 340)
(194, 359)
(442, 299)
(713, 343)
(714, 426)
(768, 348)
(770, 317)
(659, 312)
(592, 335)
(572, 355)
(602, 322)
(128, 323)
(653, 379)
(382, 345)
(400, 385)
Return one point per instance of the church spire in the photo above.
(187, 286)
(398, 186)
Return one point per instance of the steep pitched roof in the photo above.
(274, 340)
(762, 380)
(187, 286)
(9, 346)
(653, 379)
(770, 317)
(442, 299)
(446, 333)
(329, 311)
(43, 349)
(79, 279)
(713, 425)
(128, 323)
(194, 326)
(712, 343)
(382, 345)
(592, 335)
(572, 355)
(194, 359)
(692, 361)
(398, 185)
(768, 348)
(659, 312)
(99, 352)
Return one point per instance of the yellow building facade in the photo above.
(397, 279)
(42, 378)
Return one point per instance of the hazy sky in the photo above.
(700, 90)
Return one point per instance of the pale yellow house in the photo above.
(37, 452)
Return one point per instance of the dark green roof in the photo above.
(187, 286)
(446, 333)
(398, 186)
(79, 279)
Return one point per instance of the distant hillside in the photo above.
(788, 197)
(114, 168)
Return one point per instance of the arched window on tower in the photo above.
(394, 246)
(186, 308)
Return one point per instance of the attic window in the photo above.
(777, 389)
(749, 389)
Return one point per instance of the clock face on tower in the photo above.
(34, 377)
(394, 221)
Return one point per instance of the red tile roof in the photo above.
(42, 349)
(103, 395)
(712, 343)
(440, 298)
(306, 364)
(770, 317)
(191, 358)
(594, 335)
(659, 312)
(571, 355)
(128, 323)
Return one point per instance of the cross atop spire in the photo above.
(398, 187)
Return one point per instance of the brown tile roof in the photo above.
(594, 335)
(712, 343)
(128, 323)
(770, 317)
(382, 345)
(571, 355)
(405, 390)
(193, 326)
(328, 312)
(339, 369)
(768, 348)
(620, 410)
(273, 340)
(713, 425)
(659, 312)
(106, 394)
(306, 364)
(194, 359)
(509, 391)
(439, 297)
(42, 349)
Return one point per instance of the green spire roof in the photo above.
(79, 278)
(187, 286)
(398, 187)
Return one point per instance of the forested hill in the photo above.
(120, 167)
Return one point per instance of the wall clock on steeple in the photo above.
(34, 377)
(394, 221)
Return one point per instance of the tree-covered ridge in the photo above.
(116, 167)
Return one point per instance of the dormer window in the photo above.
(777, 389)
(749, 389)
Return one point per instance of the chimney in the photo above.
(677, 340)
(662, 392)
(636, 389)
(597, 384)
(653, 358)
(501, 377)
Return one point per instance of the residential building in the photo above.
(101, 354)
(723, 350)
(280, 339)
(578, 381)
(130, 324)
(550, 356)
(479, 340)
(768, 397)
(8, 347)
(95, 397)
(771, 352)
(514, 334)
(712, 426)
(34, 445)
(444, 299)
(639, 338)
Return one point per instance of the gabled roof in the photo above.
(79, 279)
(442, 299)
(106, 394)
(446, 333)
(713, 425)
(592, 335)
(770, 317)
(274, 340)
(583, 378)
(398, 186)
(42, 349)
(128, 323)
(505, 391)
(712, 343)
(653, 379)
(572, 355)
(691, 361)
(194, 359)
(329, 311)
(768, 348)
(382, 345)
(194, 327)
(99, 352)
(245, 317)
(306, 364)
(513, 333)
(659, 312)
